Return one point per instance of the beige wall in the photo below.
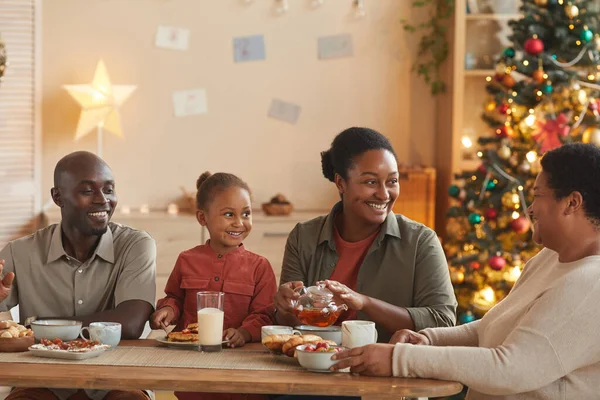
(160, 153)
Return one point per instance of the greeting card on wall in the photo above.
(284, 111)
(249, 48)
(335, 46)
(189, 102)
(168, 37)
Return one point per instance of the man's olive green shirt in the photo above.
(405, 266)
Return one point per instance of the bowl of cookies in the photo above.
(14, 337)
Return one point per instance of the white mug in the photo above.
(358, 333)
(277, 330)
(104, 332)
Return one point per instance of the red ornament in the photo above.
(520, 225)
(491, 213)
(550, 131)
(497, 263)
(499, 77)
(534, 46)
(503, 108)
(482, 169)
(475, 265)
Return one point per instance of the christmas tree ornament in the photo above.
(484, 299)
(490, 106)
(462, 195)
(571, 10)
(586, 35)
(503, 108)
(520, 225)
(474, 219)
(539, 75)
(591, 135)
(453, 190)
(507, 200)
(497, 262)
(547, 89)
(466, 317)
(541, 3)
(508, 81)
(470, 205)
(491, 213)
(475, 265)
(550, 131)
(457, 276)
(509, 52)
(504, 152)
(534, 46)
(491, 185)
(505, 131)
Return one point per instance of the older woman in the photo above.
(541, 341)
(385, 267)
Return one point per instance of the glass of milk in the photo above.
(210, 320)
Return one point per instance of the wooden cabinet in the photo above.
(417, 195)
(176, 233)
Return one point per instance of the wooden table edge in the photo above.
(213, 380)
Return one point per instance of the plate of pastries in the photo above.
(286, 344)
(15, 337)
(186, 338)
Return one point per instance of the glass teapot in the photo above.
(316, 306)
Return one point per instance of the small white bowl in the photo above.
(332, 332)
(316, 361)
(51, 329)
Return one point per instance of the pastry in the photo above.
(275, 342)
(182, 337)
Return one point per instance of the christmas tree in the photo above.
(543, 95)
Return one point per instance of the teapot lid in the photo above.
(319, 291)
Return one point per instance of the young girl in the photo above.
(221, 265)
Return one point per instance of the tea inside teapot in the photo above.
(316, 306)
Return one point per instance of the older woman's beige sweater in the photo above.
(541, 342)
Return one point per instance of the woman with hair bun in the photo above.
(385, 267)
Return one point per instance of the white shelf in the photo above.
(493, 17)
(479, 72)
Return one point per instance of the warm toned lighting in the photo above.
(467, 142)
(531, 156)
(100, 102)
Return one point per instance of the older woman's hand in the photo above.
(343, 294)
(371, 360)
(408, 336)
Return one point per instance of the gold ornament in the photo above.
(504, 152)
(571, 10)
(541, 3)
(536, 167)
(491, 106)
(484, 299)
(508, 200)
(591, 135)
(538, 75)
(508, 81)
(457, 275)
(578, 95)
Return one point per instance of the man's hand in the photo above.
(236, 337)
(371, 360)
(408, 336)
(344, 295)
(285, 295)
(7, 281)
(162, 318)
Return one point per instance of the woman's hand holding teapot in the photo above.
(344, 295)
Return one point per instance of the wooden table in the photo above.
(218, 380)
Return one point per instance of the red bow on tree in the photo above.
(550, 131)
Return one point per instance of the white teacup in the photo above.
(277, 330)
(104, 332)
(358, 333)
